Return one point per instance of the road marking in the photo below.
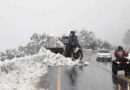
(58, 87)
(128, 86)
(127, 78)
(119, 86)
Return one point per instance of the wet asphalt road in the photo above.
(96, 76)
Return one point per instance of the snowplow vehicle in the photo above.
(62, 46)
(74, 53)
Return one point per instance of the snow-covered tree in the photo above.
(87, 38)
(31, 48)
(106, 45)
(3, 56)
(36, 37)
(126, 39)
(10, 53)
(99, 43)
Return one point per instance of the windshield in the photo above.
(104, 51)
(65, 40)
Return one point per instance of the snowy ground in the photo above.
(24, 73)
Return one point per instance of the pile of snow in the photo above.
(24, 73)
(51, 42)
(52, 59)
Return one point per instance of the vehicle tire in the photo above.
(126, 72)
(114, 69)
(63, 52)
(72, 57)
(97, 59)
(79, 55)
(114, 72)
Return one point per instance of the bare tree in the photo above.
(106, 45)
(86, 38)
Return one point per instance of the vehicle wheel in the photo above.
(114, 70)
(79, 55)
(72, 57)
(97, 59)
(126, 72)
(63, 52)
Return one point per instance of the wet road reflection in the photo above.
(96, 76)
(73, 75)
(120, 84)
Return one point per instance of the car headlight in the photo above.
(118, 62)
(128, 62)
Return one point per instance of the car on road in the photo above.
(104, 55)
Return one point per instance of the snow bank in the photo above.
(51, 42)
(24, 73)
(52, 59)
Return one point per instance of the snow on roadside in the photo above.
(24, 73)
(53, 59)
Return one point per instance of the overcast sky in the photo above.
(109, 19)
